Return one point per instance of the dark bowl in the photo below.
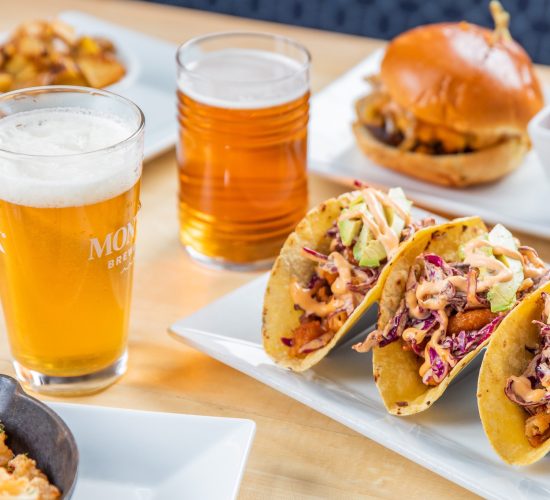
(34, 428)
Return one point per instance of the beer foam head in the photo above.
(55, 158)
(244, 79)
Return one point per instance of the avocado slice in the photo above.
(356, 201)
(372, 254)
(368, 251)
(349, 229)
(502, 296)
(398, 197)
(364, 237)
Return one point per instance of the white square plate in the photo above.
(519, 200)
(138, 455)
(448, 439)
(150, 81)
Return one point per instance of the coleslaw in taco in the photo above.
(331, 269)
(441, 303)
(514, 383)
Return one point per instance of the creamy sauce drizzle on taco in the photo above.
(450, 308)
(531, 390)
(366, 235)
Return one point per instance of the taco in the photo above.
(331, 269)
(513, 393)
(442, 301)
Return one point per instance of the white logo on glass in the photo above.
(117, 246)
(113, 242)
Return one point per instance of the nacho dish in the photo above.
(50, 53)
(442, 301)
(514, 383)
(20, 478)
(331, 269)
(451, 103)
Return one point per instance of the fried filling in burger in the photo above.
(395, 126)
(368, 232)
(450, 308)
(531, 390)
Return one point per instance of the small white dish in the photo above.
(150, 81)
(448, 439)
(138, 455)
(539, 132)
(518, 201)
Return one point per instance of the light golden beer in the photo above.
(65, 282)
(243, 110)
(70, 168)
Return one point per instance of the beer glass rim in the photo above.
(304, 66)
(29, 91)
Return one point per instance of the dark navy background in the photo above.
(530, 23)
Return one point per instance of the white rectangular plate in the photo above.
(447, 439)
(138, 455)
(151, 79)
(518, 201)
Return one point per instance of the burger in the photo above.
(451, 103)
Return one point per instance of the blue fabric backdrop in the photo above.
(385, 18)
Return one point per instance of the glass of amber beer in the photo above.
(70, 168)
(243, 108)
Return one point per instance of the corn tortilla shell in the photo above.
(503, 420)
(395, 370)
(279, 316)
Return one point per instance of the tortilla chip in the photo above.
(279, 316)
(503, 420)
(395, 370)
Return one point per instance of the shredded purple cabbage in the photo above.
(425, 324)
(315, 254)
(537, 372)
(465, 342)
(313, 281)
(458, 345)
(436, 268)
(544, 328)
(434, 259)
(439, 368)
(397, 326)
(516, 398)
(485, 332)
(360, 288)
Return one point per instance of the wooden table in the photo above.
(298, 453)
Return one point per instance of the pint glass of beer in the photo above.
(70, 168)
(243, 108)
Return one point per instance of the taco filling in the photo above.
(362, 240)
(532, 389)
(450, 309)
